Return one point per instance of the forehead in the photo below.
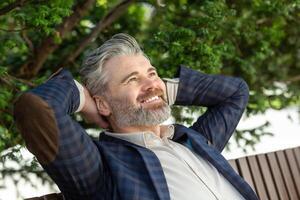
(118, 67)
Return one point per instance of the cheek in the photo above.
(162, 85)
(129, 95)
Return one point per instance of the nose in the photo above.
(149, 84)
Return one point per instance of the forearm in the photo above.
(60, 92)
(225, 97)
(200, 89)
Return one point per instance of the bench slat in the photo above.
(258, 178)
(287, 177)
(294, 169)
(267, 176)
(297, 156)
(278, 179)
(234, 165)
(245, 171)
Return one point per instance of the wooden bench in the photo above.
(274, 175)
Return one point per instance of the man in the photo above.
(136, 157)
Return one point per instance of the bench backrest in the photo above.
(274, 175)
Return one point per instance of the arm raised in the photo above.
(60, 144)
(225, 98)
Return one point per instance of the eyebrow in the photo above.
(136, 73)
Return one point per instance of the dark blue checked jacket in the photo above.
(111, 168)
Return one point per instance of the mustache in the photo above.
(155, 92)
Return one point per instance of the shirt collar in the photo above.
(147, 138)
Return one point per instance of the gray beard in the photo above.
(125, 114)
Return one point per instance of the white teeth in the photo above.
(151, 99)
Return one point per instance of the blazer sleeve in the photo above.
(225, 98)
(60, 144)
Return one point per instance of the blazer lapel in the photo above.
(151, 165)
(155, 171)
(198, 143)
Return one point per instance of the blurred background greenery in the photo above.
(257, 40)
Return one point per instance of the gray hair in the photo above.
(93, 75)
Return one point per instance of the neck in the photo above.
(131, 129)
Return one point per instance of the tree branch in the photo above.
(13, 30)
(8, 80)
(34, 63)
(294, 79)
(27, 40)
(12, 6)
(106, 21)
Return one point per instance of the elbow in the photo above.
(25, 108)
(37, 125)
(244, 92)
(25, 105)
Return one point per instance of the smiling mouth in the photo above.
(151, 99)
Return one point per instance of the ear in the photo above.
(102, 105)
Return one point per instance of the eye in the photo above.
(132, 79)
(153, 73)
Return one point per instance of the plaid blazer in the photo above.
(111, 168)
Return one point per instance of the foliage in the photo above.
(257, 40)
